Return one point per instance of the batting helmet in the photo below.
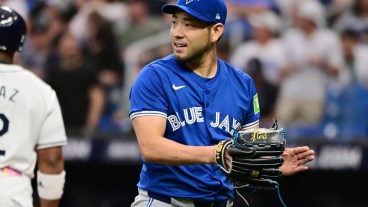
(12, 30)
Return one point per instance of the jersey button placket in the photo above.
(207, 93)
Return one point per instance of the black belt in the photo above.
(160, 197)
(197, 203)
(210, 204)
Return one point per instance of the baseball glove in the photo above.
(255, 157)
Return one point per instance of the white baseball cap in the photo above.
(266, 19)
(312, 10)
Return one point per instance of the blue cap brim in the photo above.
(170, 9)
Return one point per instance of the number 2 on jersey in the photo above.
(4, 126)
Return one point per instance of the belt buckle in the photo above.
(8, 171)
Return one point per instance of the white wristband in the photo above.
(50, 186)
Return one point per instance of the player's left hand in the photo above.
(295, 160)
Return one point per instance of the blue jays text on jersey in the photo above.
(195, 114)
(200, 112)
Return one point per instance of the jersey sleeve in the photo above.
(253, 113)
(52, 131)
(147, 95)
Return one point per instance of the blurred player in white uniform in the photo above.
(31, 126)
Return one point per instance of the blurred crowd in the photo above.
(308, 58)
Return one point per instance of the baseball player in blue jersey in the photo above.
(184, 104)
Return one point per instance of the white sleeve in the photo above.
(335, 56)
(52, 131)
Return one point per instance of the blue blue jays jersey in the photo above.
(199, 112)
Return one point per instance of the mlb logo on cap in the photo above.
(206, 10)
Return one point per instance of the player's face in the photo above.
(190, 37)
